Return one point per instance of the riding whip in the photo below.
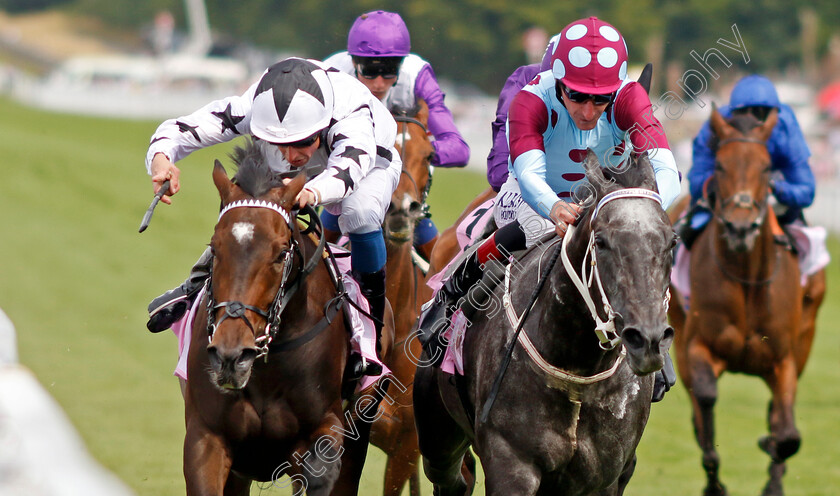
(491, 398)
(164, 188)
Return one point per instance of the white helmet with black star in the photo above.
(293, 101)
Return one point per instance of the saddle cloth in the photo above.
(362, 339)
(810, 245)
(468, 232)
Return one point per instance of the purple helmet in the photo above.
(379, 34)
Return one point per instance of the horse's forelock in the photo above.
(254, 175)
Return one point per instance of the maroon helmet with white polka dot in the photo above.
(590, 57)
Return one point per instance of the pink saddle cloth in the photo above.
(363, 333)
(468, 233)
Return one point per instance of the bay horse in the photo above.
(267, 355)
(571, 408)
(394, 431)
(748, 312)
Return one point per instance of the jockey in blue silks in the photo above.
(793, 182)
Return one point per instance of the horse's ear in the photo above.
(222, 181)
(422, 111)
(769, 124)
(720, 127)
(645, 77)
(646, 173)
(594, 172)
(288, 193)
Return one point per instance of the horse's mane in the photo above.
(408, 111)
(744, 123)
(254, 175)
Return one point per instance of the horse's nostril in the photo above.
(246, 358)
(213, 357)
(633, 338)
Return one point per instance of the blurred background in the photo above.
(84, 83)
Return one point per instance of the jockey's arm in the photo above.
(797, 186)
(353, 156)
(527, 120)
(450, 148)
(217, 122)
(497, 160)
(634, 114)
(703, 162)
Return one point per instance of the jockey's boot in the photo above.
(372, 285)
(664, 379)
(437, 311)
(688, 228)
(167, 308)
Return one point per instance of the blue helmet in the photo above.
(754, 91)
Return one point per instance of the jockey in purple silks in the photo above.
(497, 160)
(306, 116)
(378, 55)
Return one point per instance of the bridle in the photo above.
(422, 195)
(288, 287)
(743, 200)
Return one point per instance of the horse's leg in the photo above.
(625, 476)
(207, 461)
(442, 442)
(504, 472)
(784, 439)
(402, 461)
(702, 385)
(361, 413)
(812, 297)
(237, 486)
(322, 461)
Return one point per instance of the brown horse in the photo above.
(394, 432)
(263, 398)
(748, 312)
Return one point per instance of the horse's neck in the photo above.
(565, 331)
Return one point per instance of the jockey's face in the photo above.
(379, 85)
(379, 74)
(298, 154)
(585, 114)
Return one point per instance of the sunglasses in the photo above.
(304, 143)
(580, 97)
(378, 70)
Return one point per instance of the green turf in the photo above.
(76, 277)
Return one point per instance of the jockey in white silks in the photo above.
(303, 114)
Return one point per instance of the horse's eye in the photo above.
(718, 167)
(282, 256)
(600, 243)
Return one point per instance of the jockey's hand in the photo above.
(307, 196)
(564, 214)
(163, 170)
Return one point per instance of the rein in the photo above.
(603, 329)
(411, 120)
(236, 309)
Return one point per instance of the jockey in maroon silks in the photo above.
(378, 55)
(584, 101)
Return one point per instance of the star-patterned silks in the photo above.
(229, 121)
(343, 175)
(186, 128)
(286, 78)
(158, 139)
(338, 137)
(353, 153)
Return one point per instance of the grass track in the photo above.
(75, 277)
